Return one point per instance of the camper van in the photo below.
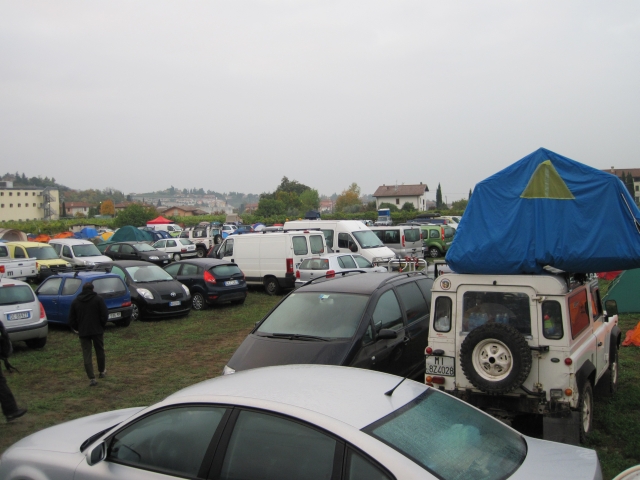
(271, 259)
(347, 236)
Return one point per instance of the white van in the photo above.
(271, 259)
(404, 240)
(79, 253)
(171, 228)
(347, 236)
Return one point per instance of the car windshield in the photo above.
(143, 247)
(148, 273)
(451, 439)
(185, 241)
(368, 239)
(42, 253)
(14, 294)
(85, 250)
(325, 315)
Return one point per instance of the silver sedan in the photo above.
(296, 422)
(332, 264)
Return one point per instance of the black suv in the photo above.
(374, 321)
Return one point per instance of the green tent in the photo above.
(625, 290)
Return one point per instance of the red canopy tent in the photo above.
(159, 221)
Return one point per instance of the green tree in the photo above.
(629, 183)
(460, 205)
(310, 200)
(439, 203)
(408, 207)
(136, 215)
(349, 198)
(268, 207)
(390, 206)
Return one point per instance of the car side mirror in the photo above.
(98, 454)
(353, 248)
(387, 334)
(611, 307)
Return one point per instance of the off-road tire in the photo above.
(585, 408)
(495, 358)
(217, 239)
(614, 371)
(201, 252)
(198, 302)
(271, 286)
(36, 342)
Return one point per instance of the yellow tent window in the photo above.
(547, 183)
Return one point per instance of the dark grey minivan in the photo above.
(378, 322)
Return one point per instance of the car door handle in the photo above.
(599, 344)
(406, 340)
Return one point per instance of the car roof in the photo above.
(70, 241)
(362, 283)
(88, 275)
(130, 263)
(353, 396)
(29, 244)
(205, 262)
(12, 281)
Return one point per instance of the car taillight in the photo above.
(442, 232)
(183, 250)
(289, 265)
(42, 314)
(208, 277)
(330, 273)
(437, 380)
(126, 304)
(297, 273)
(403, 240)
(1, 268)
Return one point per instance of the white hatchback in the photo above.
(22, 314)
(329, 265)
(177, 247)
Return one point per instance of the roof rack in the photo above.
(403, 274)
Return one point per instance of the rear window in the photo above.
(300, 246)
(449, 232)
(16, 294)
(508, 308)
(451, 439)
(314, 264)
(412, 235)
(226, 270)
(317, 245)
(186, 241)
(109, 286)
(325, 315)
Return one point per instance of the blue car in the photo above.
(57, 293)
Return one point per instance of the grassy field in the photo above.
(149, 360)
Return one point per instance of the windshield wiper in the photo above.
(298, 336)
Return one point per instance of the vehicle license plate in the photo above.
(231, 282)
(175, 304)
(437, 365)
(115, 315)
(18, 316)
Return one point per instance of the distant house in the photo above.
(73, 208)
(635, 173)
(183, 212)
(326, 206)
(250, 207)
(398, 195)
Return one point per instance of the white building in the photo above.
(28, 203)
(398, 195)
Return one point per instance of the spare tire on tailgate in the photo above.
(495, 358)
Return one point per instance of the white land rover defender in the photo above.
(524, 344)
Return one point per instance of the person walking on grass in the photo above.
(88, 317)
(8, 403)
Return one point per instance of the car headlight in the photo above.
(154, 257)
(44, 266)
(143, 292)
(67, 264)
(228, 370)
(186, 290)
(89, 264)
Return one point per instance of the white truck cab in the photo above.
(524, 344)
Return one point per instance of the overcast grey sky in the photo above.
(231, 96)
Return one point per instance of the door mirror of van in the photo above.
(611, 307)
(387, 334)
(353, 248)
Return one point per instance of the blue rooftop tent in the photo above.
(547, 210)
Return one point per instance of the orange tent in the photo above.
(64, 235)
(42, 238)
(632, 337)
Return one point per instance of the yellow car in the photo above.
(47, 260)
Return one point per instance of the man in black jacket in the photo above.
(88, 316)
(7, 400)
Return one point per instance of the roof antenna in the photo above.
(390, 392)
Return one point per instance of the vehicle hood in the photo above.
(52, 262)
(378, 252)
(67, 437)
(258, 351)
(547, 459)
(94, 259)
